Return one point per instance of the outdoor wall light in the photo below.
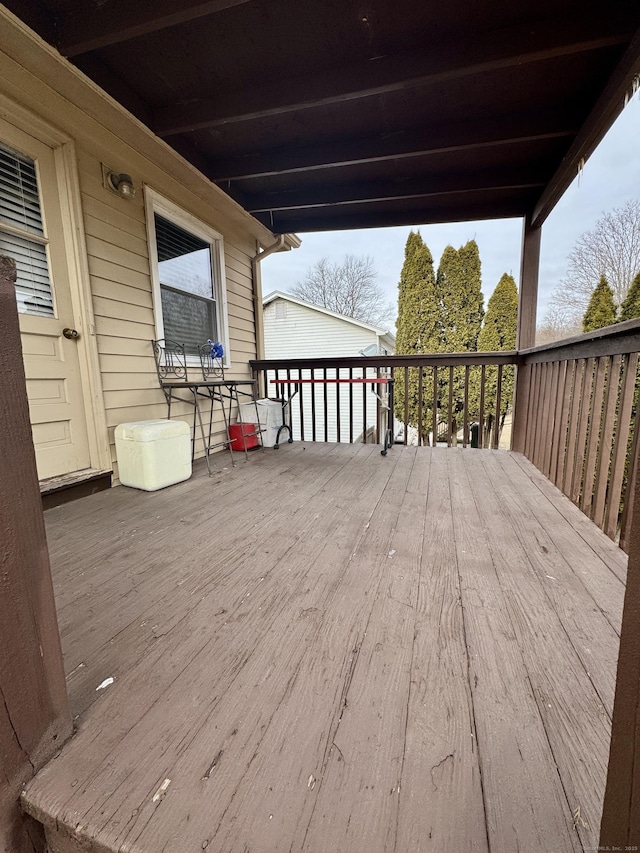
(120, 183)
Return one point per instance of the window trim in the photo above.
(158, 204)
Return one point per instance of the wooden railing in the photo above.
(575, 418)
(447, 395)
(574, 414)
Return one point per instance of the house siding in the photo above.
(306, 333)
(115, 234)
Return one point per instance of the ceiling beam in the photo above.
(427, 215)
(95, 25)
(607, 108)
(400, 145)
(466, 57)
(371, 193)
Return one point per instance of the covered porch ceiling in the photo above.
(359, 113)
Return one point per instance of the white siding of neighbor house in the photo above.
(114, 243)
(295, 331)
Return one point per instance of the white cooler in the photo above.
(270, 416)
(153, 454)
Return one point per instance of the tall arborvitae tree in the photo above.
(458, 286)
(630, 308)
(498, 334)
(601, 310)
(418, 330)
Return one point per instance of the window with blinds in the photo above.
(187, 286)
(22, 234)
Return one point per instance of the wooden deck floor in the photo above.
(328, 651)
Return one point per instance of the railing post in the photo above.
(34, 711)
(620, 826)
(520, 408)
(528, 296)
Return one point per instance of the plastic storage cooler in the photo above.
(270, 416)
(153, 454)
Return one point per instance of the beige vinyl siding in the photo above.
(118, 255)
(117, 252)
(306, 333)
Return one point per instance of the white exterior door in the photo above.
(31, 231)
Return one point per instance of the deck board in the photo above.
(325, 649)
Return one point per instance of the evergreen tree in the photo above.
(418, 330)
(630, 308)
(601, 310)
(458, 287)
(498, 334)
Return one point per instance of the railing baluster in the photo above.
(620, 448)
(313, 407)
(406, 404)
(496, 424)
(326, 406)
(572, 427)
(564, 421)
(483, 380)
(465, 413)
(606, 440)
(364, 407)
(301, 406)
(338, 407)
(419, 406)
(350, 406)
(557, 420)
(530, 431)
(583, 428)
(627, 520)
(434, 423)
(450, 412)
(540, 416)
(595, 420)
(548, 431)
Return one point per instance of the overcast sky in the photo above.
(611, 177)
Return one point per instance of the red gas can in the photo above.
(243, 437)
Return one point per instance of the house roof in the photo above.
(378, 330)
(347, 114)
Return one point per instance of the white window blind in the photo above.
(187, 288)
(22, 233)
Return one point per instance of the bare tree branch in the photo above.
(611, 249)
(348, 288)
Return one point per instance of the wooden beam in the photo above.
(422, 142)
(503, 49)
(319, 196)
(34, 713)
(363, 217)
(95, 25)
(620, 826)
(526, 330)
(528, 295)
(607, 108)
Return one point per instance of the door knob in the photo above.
(71, 334)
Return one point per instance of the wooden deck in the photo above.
(325, 650)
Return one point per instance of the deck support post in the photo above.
(620, 826)
(34, 711)
(526, 332)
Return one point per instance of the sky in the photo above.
(610, 178)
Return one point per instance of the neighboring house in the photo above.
(101, 272)
(294, 328)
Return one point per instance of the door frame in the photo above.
(75, 248)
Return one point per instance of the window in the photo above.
(189, 278)
(22, 234)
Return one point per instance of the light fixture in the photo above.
(119, 183)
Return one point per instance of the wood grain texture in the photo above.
(325, 649)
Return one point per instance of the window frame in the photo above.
(158, 204)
